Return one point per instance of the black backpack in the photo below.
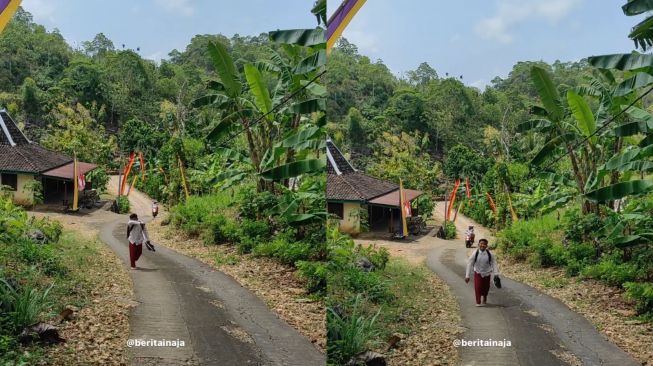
(489, 255)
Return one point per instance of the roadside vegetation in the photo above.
(383, 307)
(45, 282)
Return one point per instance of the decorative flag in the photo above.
(142, 165)
(81, 182)
(494, 207)
(455, 216)
(404, 212)
(340, 19)
(7, 10)
(132, 185)
(128, 168)
(75, 183)
(453, 198)
(183, 177)
(165, 177)
(512, 210)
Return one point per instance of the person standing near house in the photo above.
(137, 235)
(484, 265)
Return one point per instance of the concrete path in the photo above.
(220, 322)
(541, 329)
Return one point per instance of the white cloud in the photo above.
(177, 6)
(42, 10)
(510, 13)
(365, 41)
(480, 84)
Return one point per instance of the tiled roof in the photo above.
(356, 187)
(336, 162)
(30, 158)
(18, 154)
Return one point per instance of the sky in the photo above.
(159, 26)
(482, 39)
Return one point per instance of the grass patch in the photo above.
(226, 259)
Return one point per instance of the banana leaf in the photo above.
(623, 62)
(259, 90)
(620, 190)
(636, 7)
(583, 115)
(310, 63)
(224, 65)
(302, 37)
(534, 124)
(640, 80)
(547, 92)
(294, 169)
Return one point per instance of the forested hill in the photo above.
(436, 109)
(42, 80)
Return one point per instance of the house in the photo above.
(24, 164)
(350, 194)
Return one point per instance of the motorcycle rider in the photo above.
(469, 236)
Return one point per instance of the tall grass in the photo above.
(349, 334)
(24, 304)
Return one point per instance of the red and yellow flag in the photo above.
(126, 173)
(7, 10)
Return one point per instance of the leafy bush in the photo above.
(581, 228)
(348, 334)
(256, 206)
(52, 229)
(123, 204)
(197, 213)
(41, 256)
(219, 230)
(98, 178)
(609, 270)
(526, 238)
(378, 256)
(315, 274)
(287, 251)
(449, 230)
(642, 294)
(255, 230)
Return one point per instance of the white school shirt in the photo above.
(138, 233)
(482, 265)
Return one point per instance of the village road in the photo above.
(180, 298)
(541, 330)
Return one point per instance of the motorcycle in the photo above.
(469, 240)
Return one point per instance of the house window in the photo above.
(336, 209)
(10, 180)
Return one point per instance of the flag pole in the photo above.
(75, 183)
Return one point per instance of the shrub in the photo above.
(255, 206)
(449, 230)
(378, 256)
(219, 230)
(255, 230)
(287, 251)
(642, 294)
(531, 238)
(246, 245)
(610, 271)
(41, 256)
(195, 215)
(580, 228)
(123, 204)
(348, 334)
(315, 274)
(52, 229)
(98, 178)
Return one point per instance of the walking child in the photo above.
(484, 265)
(137, 235)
